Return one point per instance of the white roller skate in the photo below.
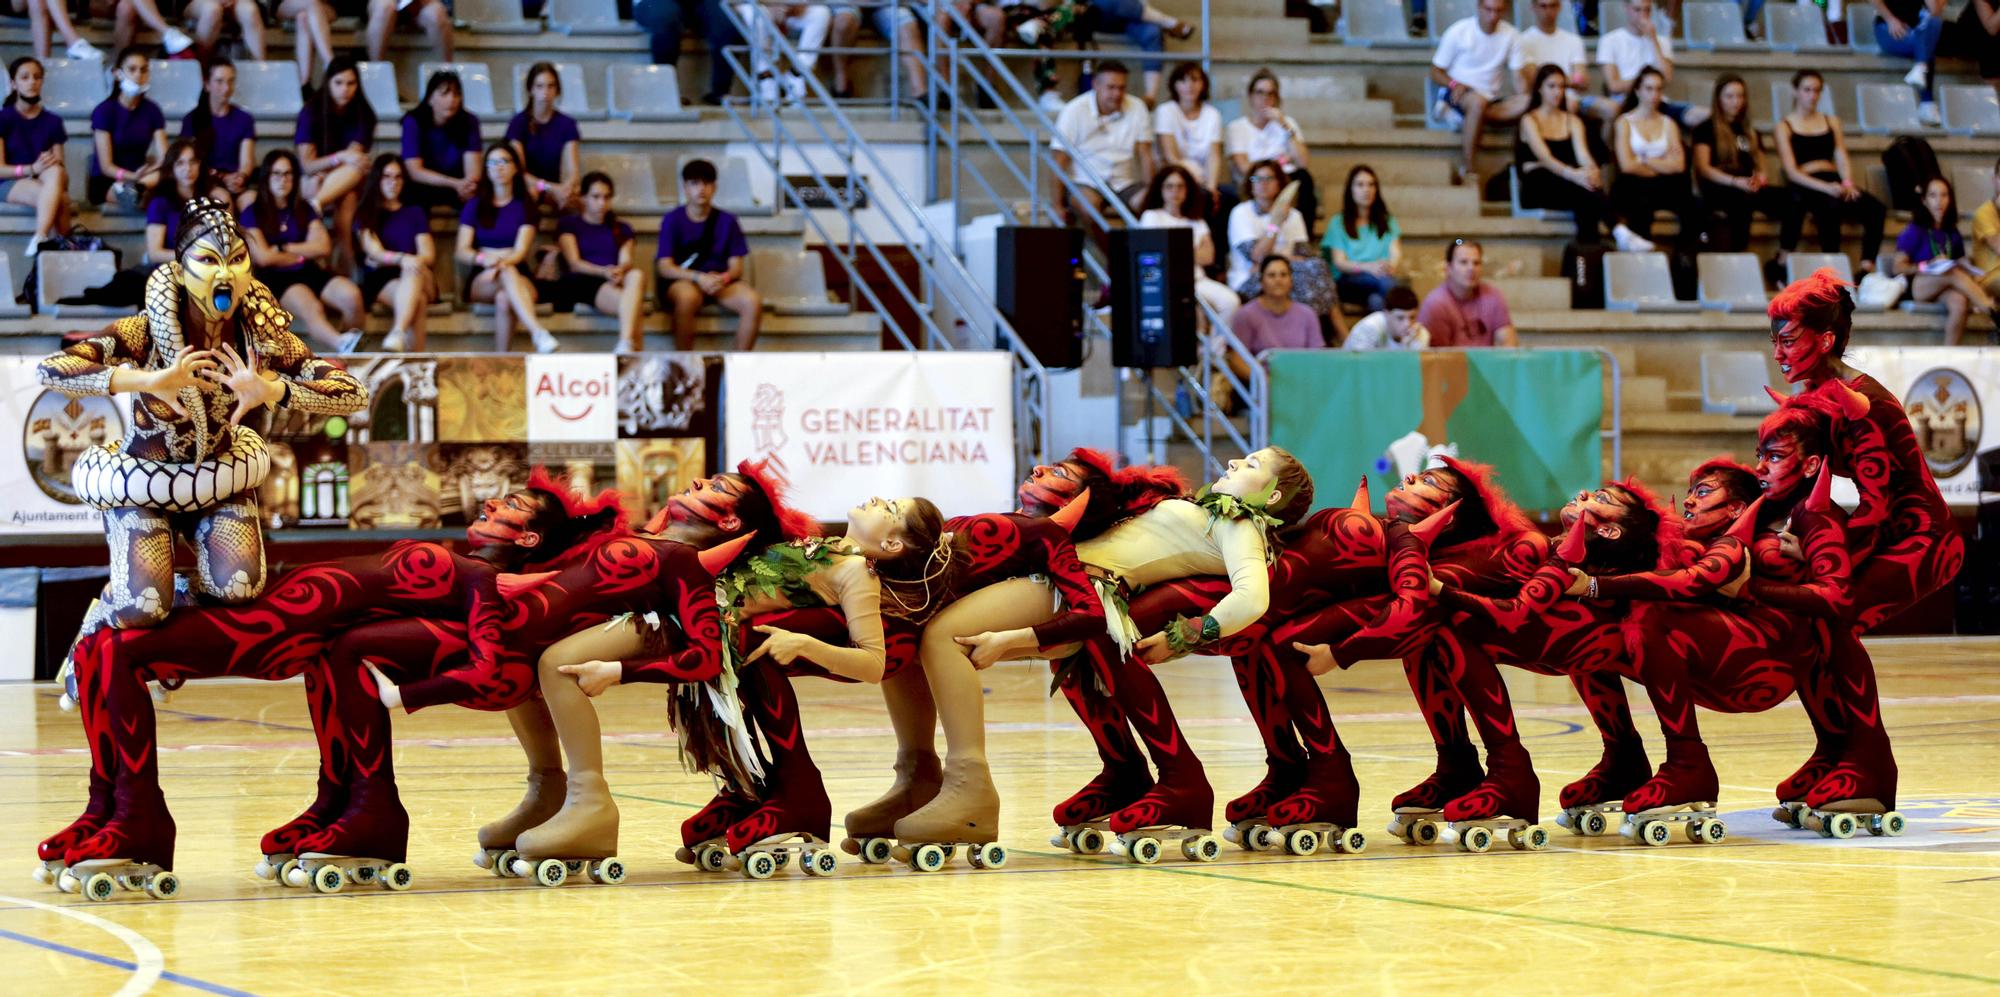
(1305, 839)
(1478, 835)
(101, 879)
(931, 856)
(556, 871)
(1590, 820)
(1417, 825)
(331, 873)
(1088, 838)
(1254, 835)
(1144, 845)
(708, 856)
(1656, 827)
(1841, 820)
(763, 859)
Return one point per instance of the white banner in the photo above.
(41, 435)
(572, 397)
(843, 427)
(1947, 392)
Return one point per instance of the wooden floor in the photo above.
(1770, 910)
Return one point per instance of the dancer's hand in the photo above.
(190, 370)
(1735, 585)
(1435, 585)
(782, 646)
(388, 692)
(593, 677)
(253, 391)
(1319, 657)
(512, 585)
(1153, 650)
(1579, 583)
(991, 647)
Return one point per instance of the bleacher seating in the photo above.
(71, 87)
(1790, 27)
(1969, 110)
(1376, 23)
(1714, 26)
(645, 93)
(632, 181)
(794, 283)
(61, 274)
(494, 17)
(1640, 282)
(1733, 381)
(1781, 101)
(475, 80)
(732, 185)
(1861, 28)
(1445, 13)
(176, 87)
(575, 100)
(378, 85)
(587, 17)
(1731, 282)
(268, 90)
(1887, 108)
(9, 308)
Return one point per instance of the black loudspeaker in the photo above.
(1152, 297)
(1040, 285)
(1583, 268)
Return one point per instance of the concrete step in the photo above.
(1642, 393)
(1443, 202)
(1534, 294)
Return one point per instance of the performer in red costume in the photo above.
(1901, 540)
(282, 634)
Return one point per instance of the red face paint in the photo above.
(1783, 467)
(503, 520)
(1800, 352)
(1708, 509)
(708, 500)
(1420, 494)
(1049, 487)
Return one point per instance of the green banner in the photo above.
(1534, 415)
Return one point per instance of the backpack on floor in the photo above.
(1911, 164)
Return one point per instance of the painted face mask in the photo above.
(1420, 494)
(215, 262)
(708, 500)
(1708, 509)
(1049, 487)
(1783, 467)
(1798, 350)
(503, 520)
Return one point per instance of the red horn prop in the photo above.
(1435, 523)
(1776, 397)
(1072, 511)
(1853, 404)
(1572, 549)
(716, 558)
(1744, 529)
(1821, 498)
(1361, 502)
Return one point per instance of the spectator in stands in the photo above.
(225, 134)
(1175, 199)
(289, 246)
(496, 237)
(441, 145)
(45, 14)
(894, 21)
(1265, 133)
(1911, 29)
(127, 15)
(1932, 254)
(1729, 166)
(547, 140)
(31, 142)
(1545, 43)
(207, 17)
(1986, 238)
(1272, 320)
(700, 260)
(1189, 128)
(808, 23)
(597, 252)
(1146, 27)
(1652, 166)
(1469, 64)
(312, 33)
(397, 254)
(667, 20)
(1394, 327)
(1462, 311)
(1814, 155)
(187, 178)
(1257, 229)
(129, 134)
(1626, 51)
(1979, 30)
(1106, 132)
(1363, 242)
(1553, 165)
(336, 128)
(389, 17)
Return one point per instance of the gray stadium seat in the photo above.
(1710, 26)
(1376, 23)
(1611, 14)
(268, 89)
(1801, 265)
(9, 308)
(1972, 185)
(587, 17)
(1861, 28)
(631, 177)
(645, 93)
(71, 87)
(732, 185)
(60, 275)
(378, 84)
(1731, 282)
(1790, 27)
(176, 88)
(1969, 110)
(794, 283)
(1781, 101)
(478, 84)
(1640, 282)
(1886, 108)
(1445, 13)
(494, 17)
(575, 100)
(1524, 16)
(1733, 381)
(1532, 214)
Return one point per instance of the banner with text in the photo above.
(1946, 391)
(842, 427)
(41, 435)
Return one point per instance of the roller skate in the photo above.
(581, 839)
(546, 788)
(792, 823)
(1683, 793)
(1510, 790)
(871, 830)
(1083, 822)
(1178, 810)
(703, 844)
(966, 811)
(1589, 803)
(1322, 813)
(1417, 813)
(133, 851)
(365, 846)
(280, 844)
(1247, 815)
(1855, 797)
(1792, 792)
(52, 854)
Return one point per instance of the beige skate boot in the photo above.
(965, 812)
(543, 798)
(917, 780)
(585, 828)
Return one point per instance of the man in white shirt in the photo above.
(1470, 62)
(1545, 43)
(1626, 51)
(1395, 327)
(1110, 131)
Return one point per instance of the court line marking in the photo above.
(147, 962)
(116, 963)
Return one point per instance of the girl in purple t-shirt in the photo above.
(187, 179)
(31, 165)
(496, 233)
(441, 144)
(335, 130)
(226, 134)
(129, 134)
(597, 263)
(395, 240)
(288, 249)
(547, 140)
(1928, 252)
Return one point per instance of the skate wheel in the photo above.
(711, 858)
(875, 851)
(43, 875)
(1590, 824)
(820, 863)
(1477, 839)
(67, 882)
(987, 856)
(1423, 832)
(295, 875)
(1350, 842)
(760, 865)
(328, 879)
(1301, 842)
(1787, 816)
(396, 877)
(1265, 839)
(364, 874)
(1532, 838)
(99, 888)
(1206, 848)
(1708, 831)
(503, 864)
(1841, 826)
(1144, 851)
(550, 872)
(164, 886)
(1654, 832)
(264, 870)
(927, 858)
(483, 858)
(1889, 825)
(610, 871)
(1088, 841)
(67, 702)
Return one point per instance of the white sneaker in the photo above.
(1919, 75)
(348, 341)
(1629, 241)
(34, 246)
(767, 89)
(176, 41)
(1051, 103)
(544, 342)
(394, 341)
(1927, 112)
(82, 50)
(794, 87)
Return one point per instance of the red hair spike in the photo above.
(1822, 289)
(575, 506)
(793, 523)
(1506, 516)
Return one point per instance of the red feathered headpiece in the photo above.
(793, 523)
(1818, 293)
(1507, 517)
(1140, 487)
(1728, 467)
(1669, 536)
(577, 507)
